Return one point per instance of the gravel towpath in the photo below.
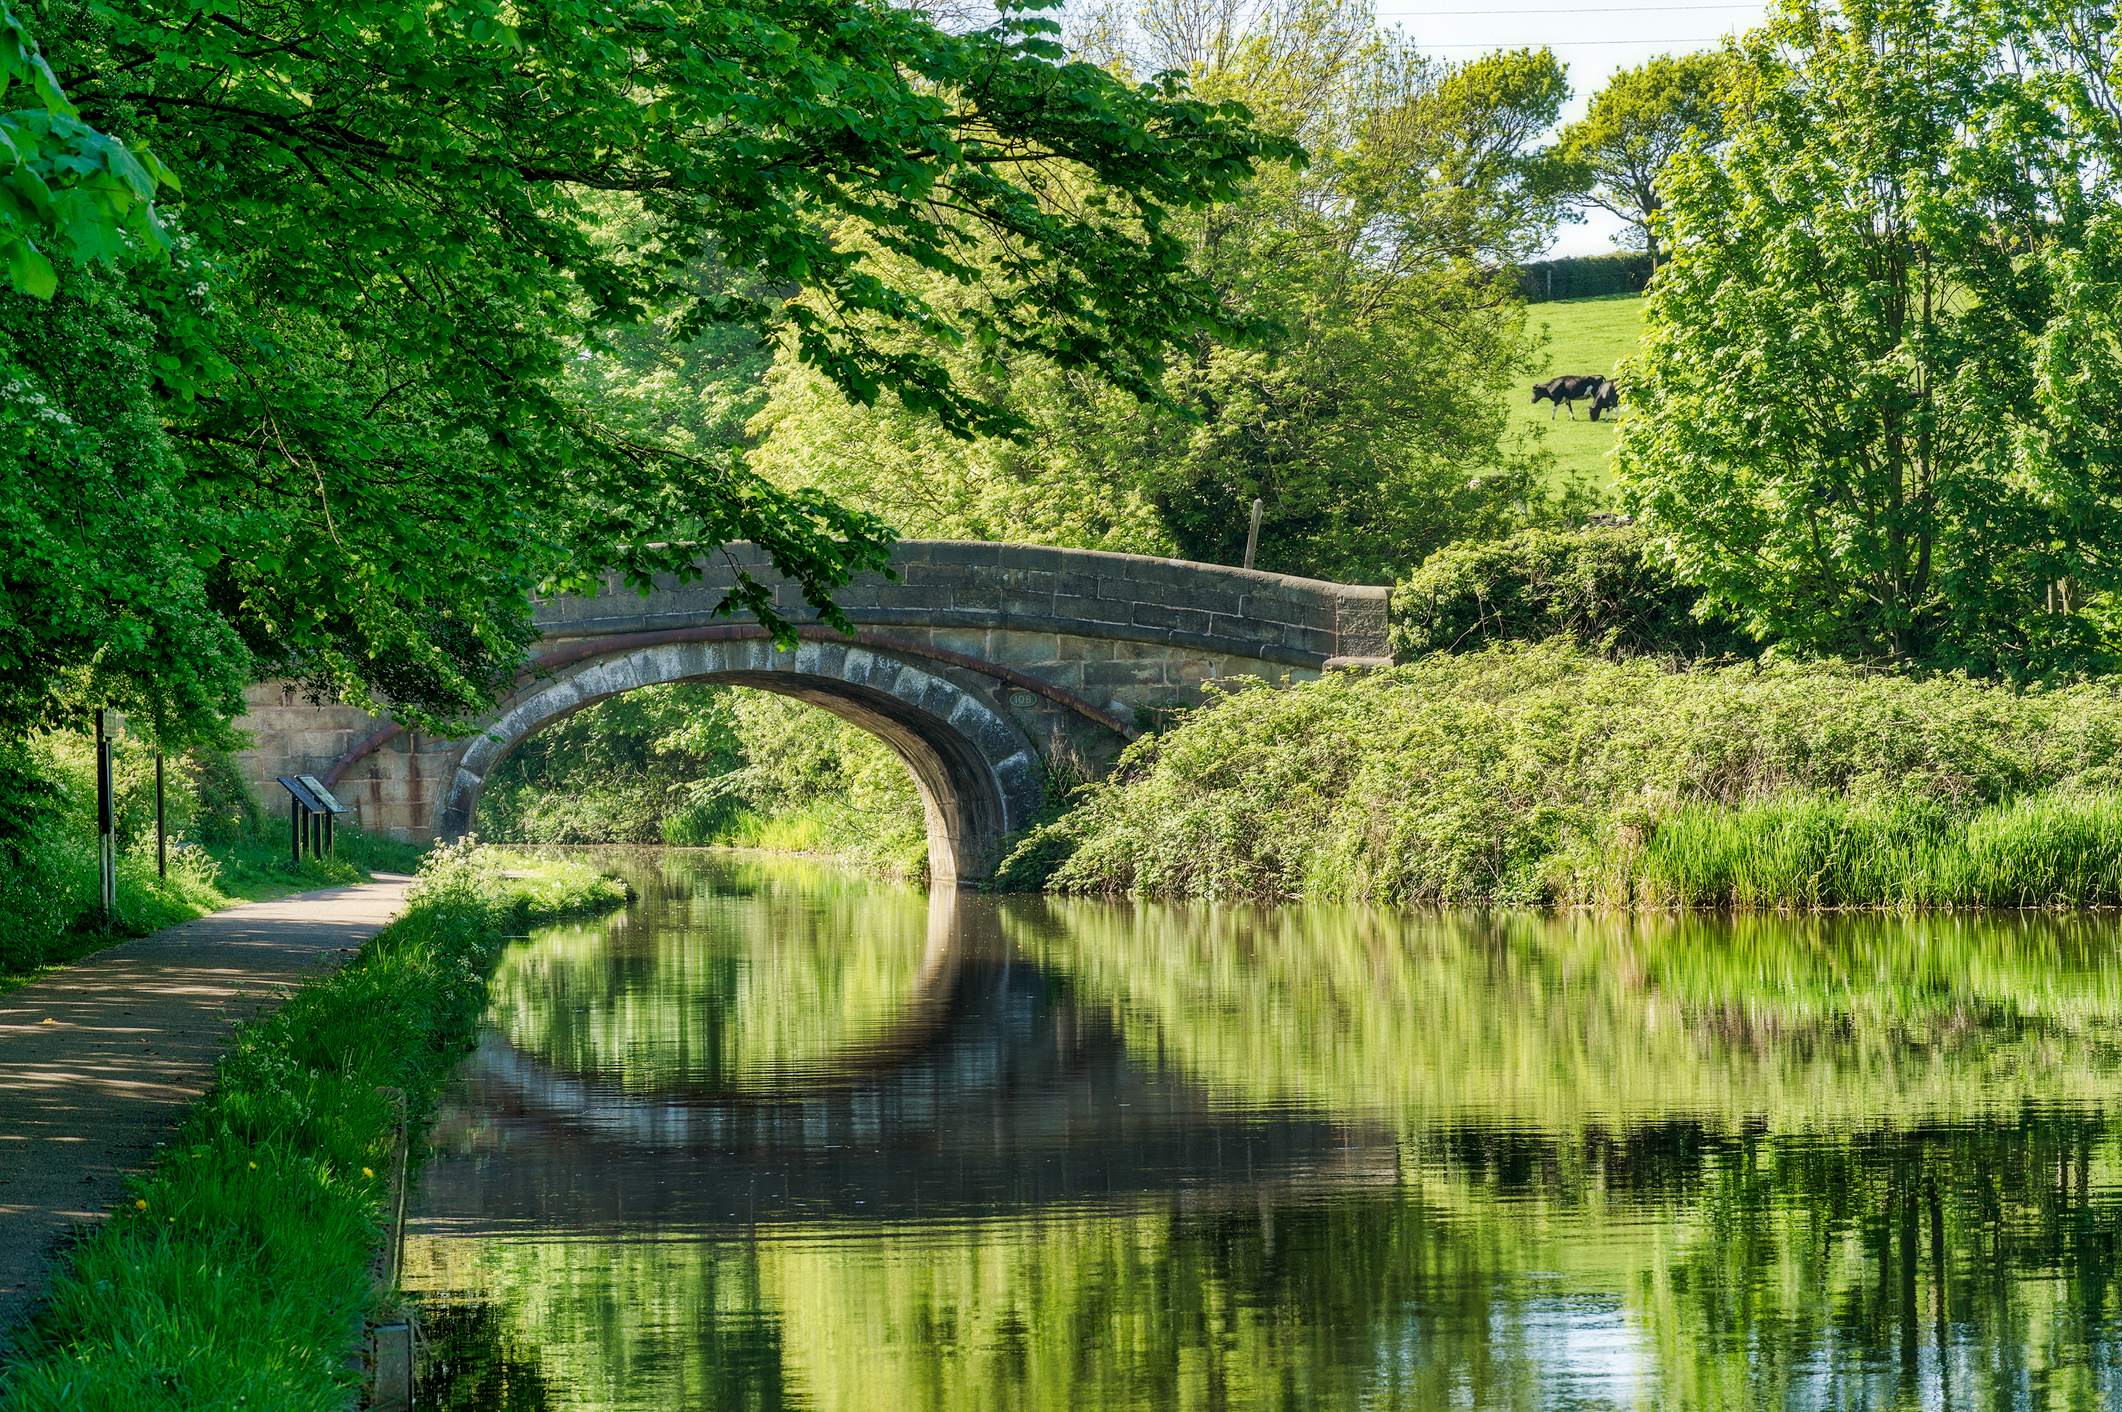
(98, 1062)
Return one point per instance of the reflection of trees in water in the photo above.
(1555, 1023)
(1973, 1264)
(475, 1363)
(1668, 1162)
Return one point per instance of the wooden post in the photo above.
(1252, 536)
(161, 834)
(401, 1148)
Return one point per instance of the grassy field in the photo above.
(1584, 336)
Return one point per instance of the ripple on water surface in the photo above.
(776, 1138)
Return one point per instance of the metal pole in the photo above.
(294, 828)
(106, 821)
(1252, 536)
(161, 834)
(328, 822)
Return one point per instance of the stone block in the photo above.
(956, 551)
(983, 597)
(970, 643)
(1016, 649)
(951, 575)
(1171, 619)
(906, 595)
(1093, 610)
(1123, 674)
(1066, 675)
(1028, 583)
(1085, 649)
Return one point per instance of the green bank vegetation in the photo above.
(695, 766)
(1543, 774)
(238, 1274)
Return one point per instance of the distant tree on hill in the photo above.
(1635, 125)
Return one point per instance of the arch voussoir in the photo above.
(974, 769)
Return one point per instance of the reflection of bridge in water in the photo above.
(992, 1094)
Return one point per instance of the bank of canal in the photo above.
(775, 1137)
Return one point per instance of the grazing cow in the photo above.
(1605, 398)
(1567, 392)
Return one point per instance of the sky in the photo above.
(1593, 41)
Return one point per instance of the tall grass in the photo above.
(1534, 775)
(236, 1275)
(2049, 850)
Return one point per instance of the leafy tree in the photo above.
(1371, 421)
(61, 181)
(1635, 125)
(1875, 410)
(401, 231)
(101, 597)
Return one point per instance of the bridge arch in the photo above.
(977, 773)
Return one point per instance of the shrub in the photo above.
(1594, 586)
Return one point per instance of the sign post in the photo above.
(332, 807)
(311, 808)
(106, 821)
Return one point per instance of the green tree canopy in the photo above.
(402, 230)
(1877, 405)
(1371, 420)
(1637, 123)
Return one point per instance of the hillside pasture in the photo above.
(1583, 336)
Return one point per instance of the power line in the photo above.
(1609, 10)
(1566, 43)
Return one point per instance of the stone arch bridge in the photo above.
(979, 661)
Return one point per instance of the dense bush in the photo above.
(1594, 586)
(238, 1273)
(1584, 276)
(1544, 773)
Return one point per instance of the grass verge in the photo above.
(48, 908)
(236, 1274)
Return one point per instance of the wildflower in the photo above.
(367, 1173)
(139, 1205)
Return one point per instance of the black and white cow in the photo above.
(1605, 398)
(1567, 392)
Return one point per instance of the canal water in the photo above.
(779, 1138)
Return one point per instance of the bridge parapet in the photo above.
(964, 586)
